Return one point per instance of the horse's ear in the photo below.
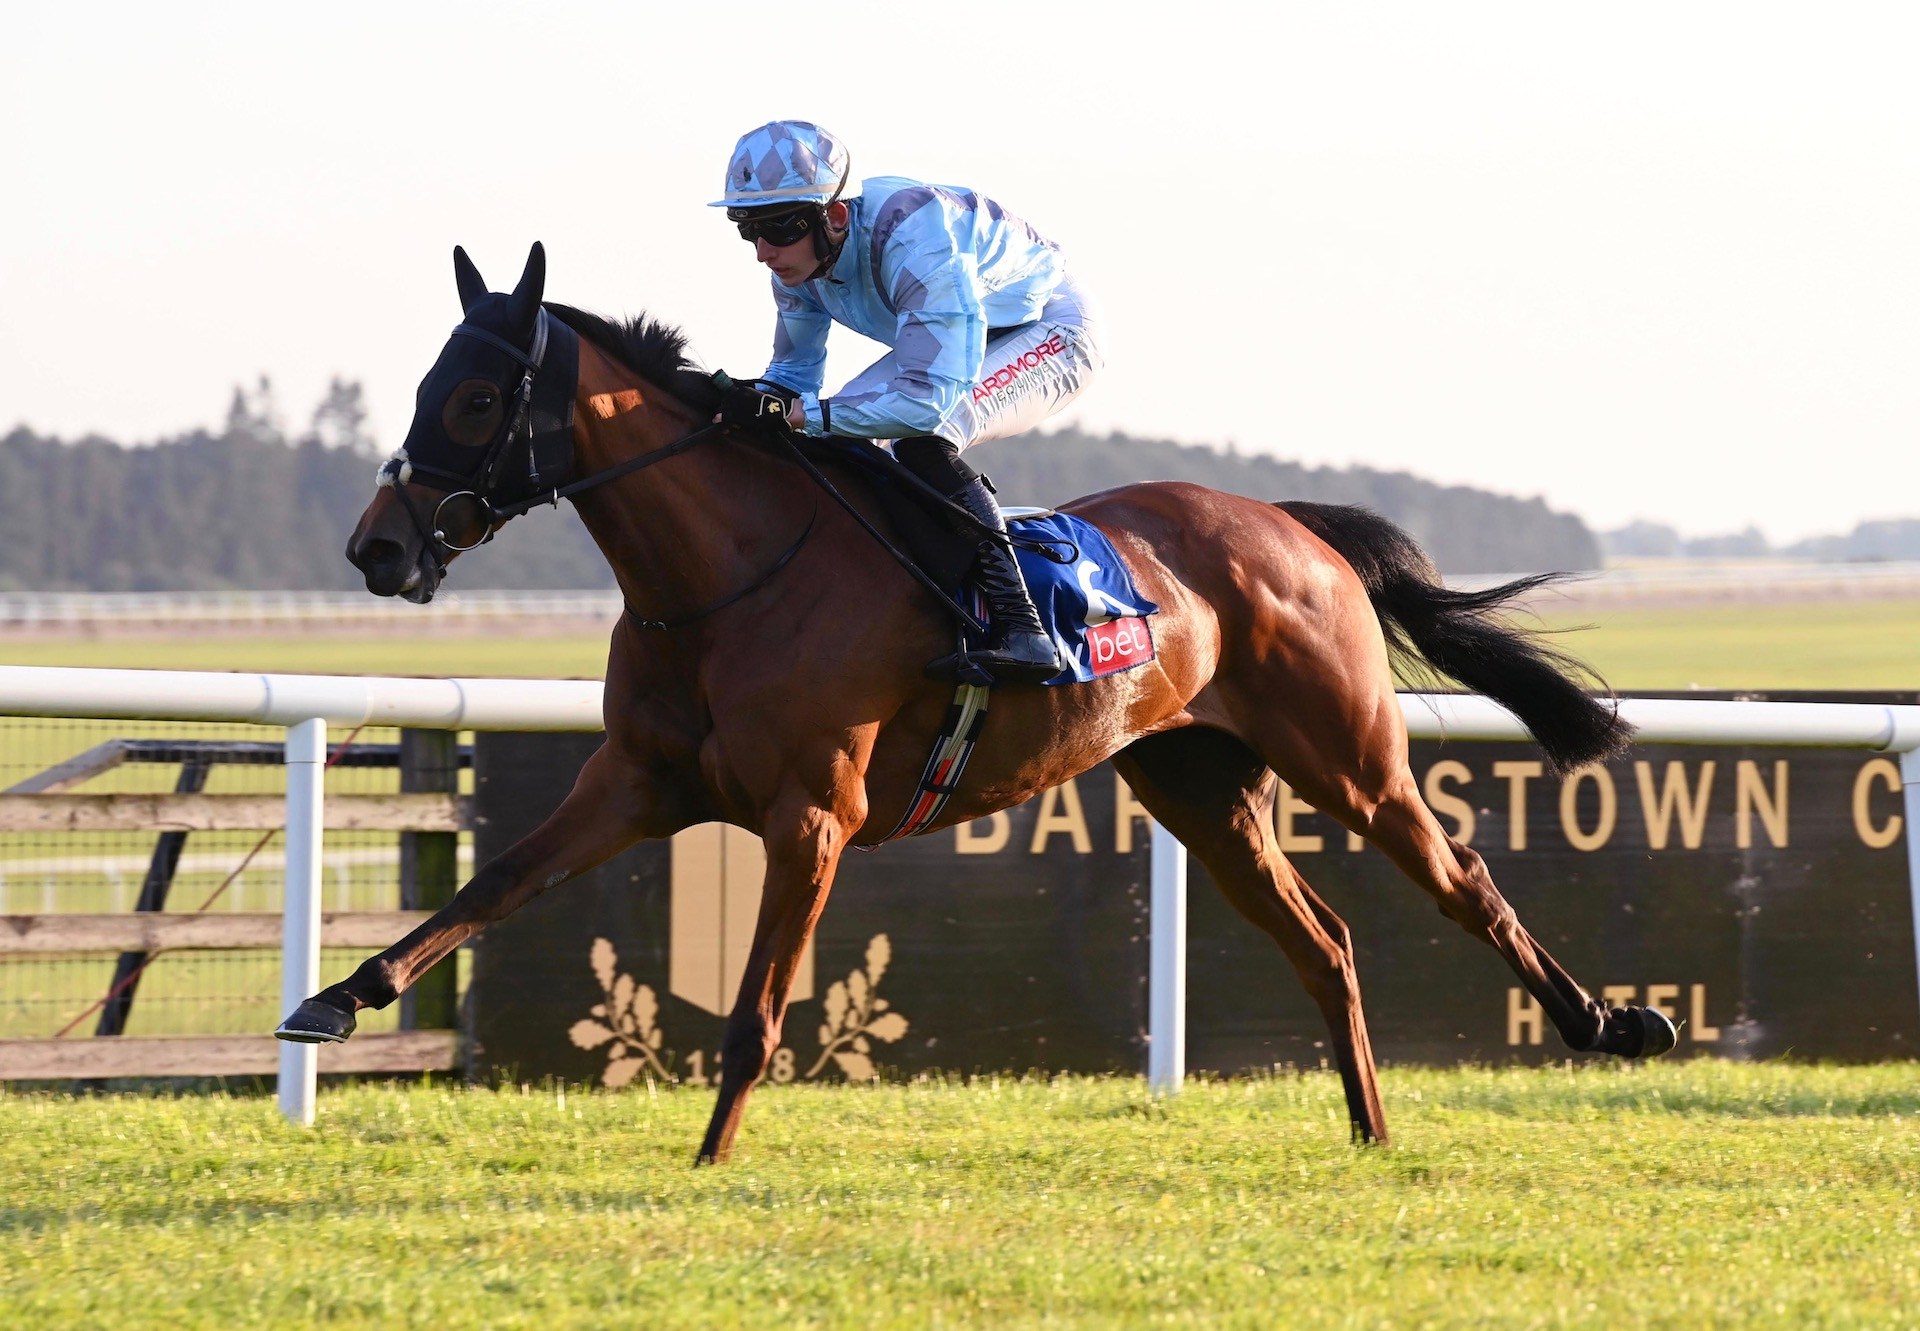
(467, 278)
(525, 301)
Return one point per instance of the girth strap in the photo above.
(959, 732)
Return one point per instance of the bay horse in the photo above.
(776, 683)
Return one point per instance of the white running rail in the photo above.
(306, 705)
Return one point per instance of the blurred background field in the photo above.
(1751, 644)
(577, 654)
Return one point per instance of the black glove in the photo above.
(759, 406)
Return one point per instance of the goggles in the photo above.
(779, 230)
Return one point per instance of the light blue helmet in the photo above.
(787, 161)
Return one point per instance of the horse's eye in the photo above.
(480, 403)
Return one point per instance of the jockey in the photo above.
(989, 336)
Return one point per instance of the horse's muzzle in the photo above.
(389, 572)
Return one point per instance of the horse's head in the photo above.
(492, 425)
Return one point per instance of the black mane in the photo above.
(653, 350)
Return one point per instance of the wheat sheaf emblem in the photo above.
(626, 1022)
(857, 1016)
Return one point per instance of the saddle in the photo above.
(1082, 592)
(943, 537)
(929, 533)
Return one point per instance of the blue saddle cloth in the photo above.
(1088, 604)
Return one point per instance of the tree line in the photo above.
(1466, 530)
(258, 505)
(1875, 541)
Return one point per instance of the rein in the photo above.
(665, 625)
(901, 557)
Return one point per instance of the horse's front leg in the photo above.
(804, 838)
(613, 804)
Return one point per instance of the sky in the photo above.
(1646, 261)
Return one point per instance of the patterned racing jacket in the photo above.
(927, 270)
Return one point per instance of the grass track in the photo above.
(1681, 1195)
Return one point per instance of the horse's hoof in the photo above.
(316, 1022)
(1658, 1033)
(1640, 1032)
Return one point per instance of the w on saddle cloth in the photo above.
(1089, 605)
(1090, 608)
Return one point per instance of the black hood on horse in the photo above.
(496, 409)
(492, 427)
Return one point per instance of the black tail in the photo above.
(1461, 635)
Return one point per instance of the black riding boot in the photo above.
(1017, 649)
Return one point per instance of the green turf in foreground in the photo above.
(1680, 1195)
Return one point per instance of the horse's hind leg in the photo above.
(1213, 793)
(1371, 790)
(1457, 876)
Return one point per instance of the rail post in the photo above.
(430, 872)
(300, 946)
(1910, 804)
(1167, 965)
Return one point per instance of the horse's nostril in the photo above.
(375, 554)
(383, 563)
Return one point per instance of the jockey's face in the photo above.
(794, 264)
(790, 263)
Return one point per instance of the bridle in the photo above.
(480, 484)
(549, 459)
